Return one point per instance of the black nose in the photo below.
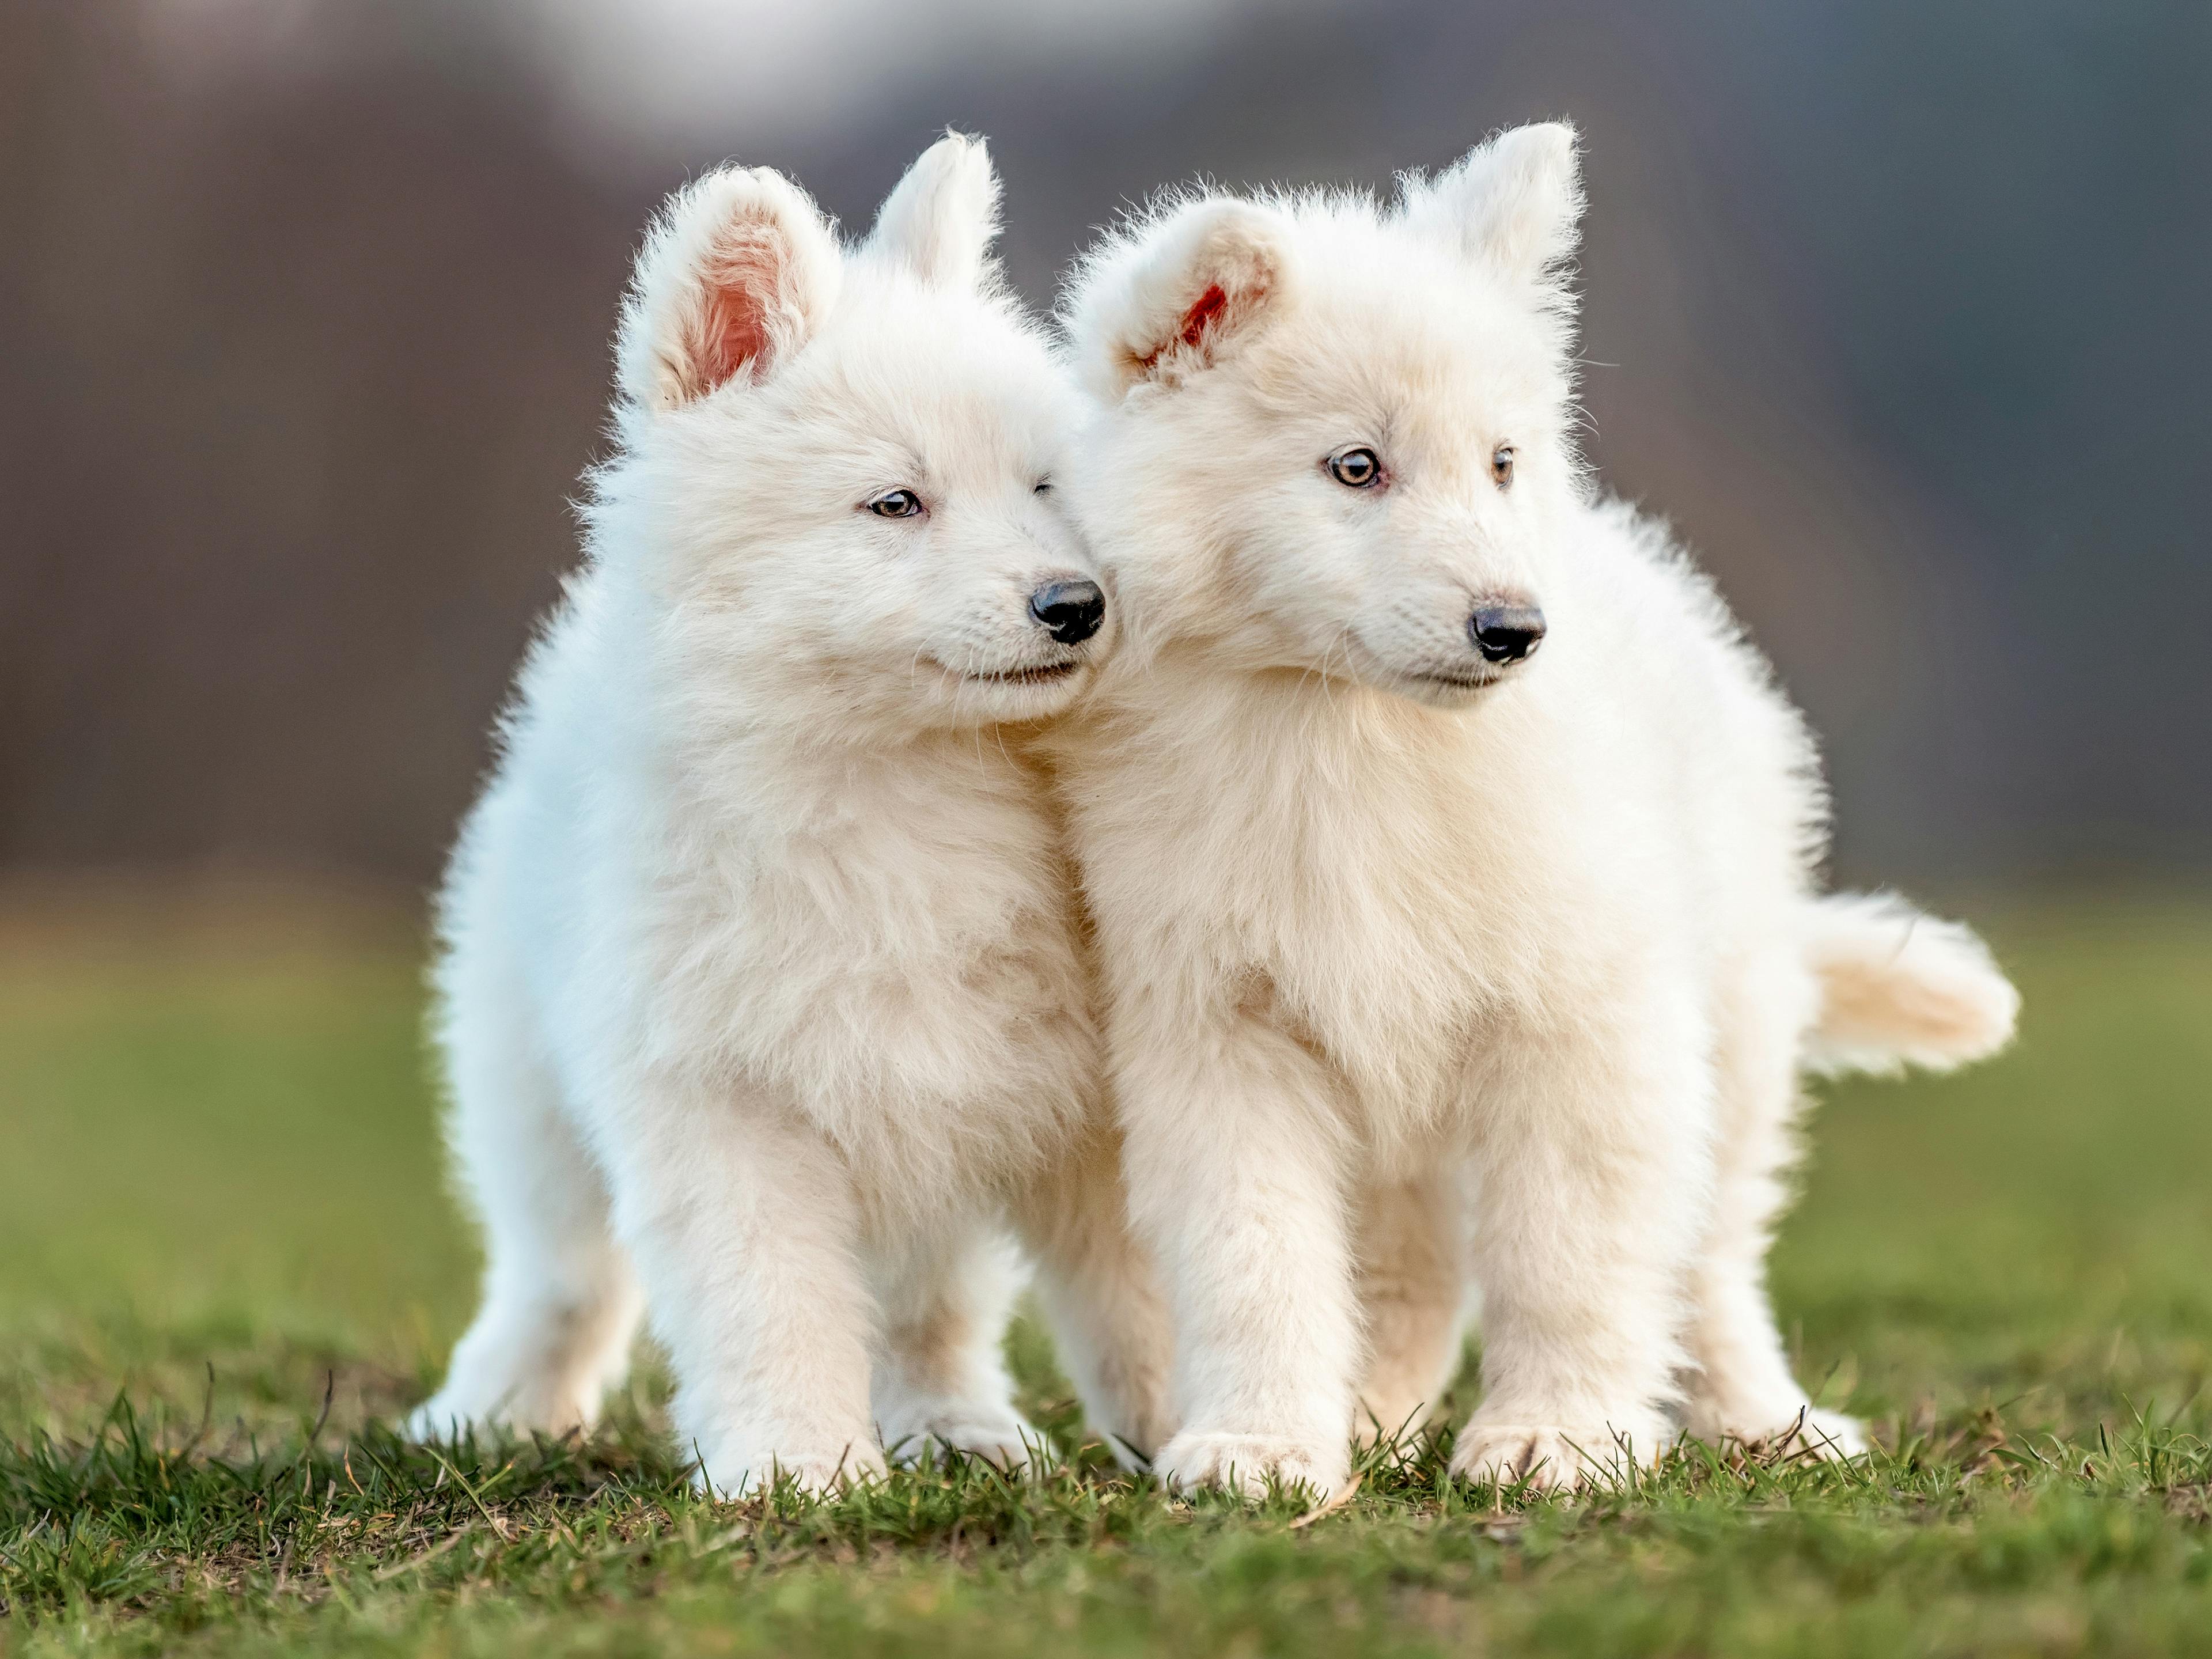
(1069, 611)
(1506, 633)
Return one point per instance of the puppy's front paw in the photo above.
(1248, 1463)
(440, 1419)
(733, 1472)
(1552, 1458)
(1789, 1427)
(454, 1412)
(1826, 1436)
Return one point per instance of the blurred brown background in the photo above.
(1897, 309)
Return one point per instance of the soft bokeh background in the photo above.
(1898, 310)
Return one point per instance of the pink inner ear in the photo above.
(1203, 315)
(1195, 321)
(734, 339)
(741, 278)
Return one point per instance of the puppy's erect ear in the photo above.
(942, 216)
(737, 272)
(1180, 294)
(1512, 205)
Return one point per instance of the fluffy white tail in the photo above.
(1900, 988)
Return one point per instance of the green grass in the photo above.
(221, 1223)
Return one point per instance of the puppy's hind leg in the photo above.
(1102, 1296)
(941, 1381)
(561, 1304)
(1741, 1387)
(1412, 1246)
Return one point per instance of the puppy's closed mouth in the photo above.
(1457, 682)
(1043, 674)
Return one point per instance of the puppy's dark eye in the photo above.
(1355, 469)
(1501, 464)
(1044, 487)
(897, 504)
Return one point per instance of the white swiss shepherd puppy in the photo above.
(1388, 902)
(762, 1004)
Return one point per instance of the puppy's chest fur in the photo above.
(1355, 878)
(888, 944)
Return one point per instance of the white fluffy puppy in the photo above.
(762, 1003)
(1386, 899)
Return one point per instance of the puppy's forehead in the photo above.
(951, 380)
(1393, 333)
